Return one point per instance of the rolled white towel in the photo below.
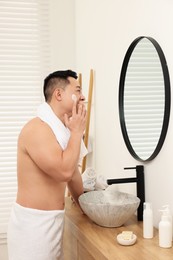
(89, 179)
(93, 182)
(101, 183)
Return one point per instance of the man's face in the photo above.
(76, 89)
(71, 91)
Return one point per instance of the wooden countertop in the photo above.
(101, 242)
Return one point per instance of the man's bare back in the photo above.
(36, 189)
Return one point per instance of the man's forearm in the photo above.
(75, 186)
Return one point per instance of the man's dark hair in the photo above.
(56, 79)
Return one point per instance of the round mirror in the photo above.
(144, 98)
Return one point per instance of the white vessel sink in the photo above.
(109, 208)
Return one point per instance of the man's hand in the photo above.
(77, 122)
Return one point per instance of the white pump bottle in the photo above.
(147, 220)
(168, 212)
(165, 230)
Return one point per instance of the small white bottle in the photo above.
(168, 212)
(165, 231)
(147, 220)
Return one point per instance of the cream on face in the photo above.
(74, 98)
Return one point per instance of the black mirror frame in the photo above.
(167, 98)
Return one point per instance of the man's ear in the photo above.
(58, 94)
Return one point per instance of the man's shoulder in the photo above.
(33, 131)
(34, 126)
(32, 123)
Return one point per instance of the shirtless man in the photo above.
(44, 169)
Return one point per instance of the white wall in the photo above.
(104, 30)
(62, 34)
(3, 252)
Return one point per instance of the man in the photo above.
(45, 169)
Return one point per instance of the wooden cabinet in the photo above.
(84, 240)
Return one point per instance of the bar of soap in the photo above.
(127, 235)
(126, 238)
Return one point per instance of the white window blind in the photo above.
(24, 62)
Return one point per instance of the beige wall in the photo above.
(3, 252)
(62, 36)
(104, 30)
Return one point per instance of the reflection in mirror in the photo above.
(144, 98)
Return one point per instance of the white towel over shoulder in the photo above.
(62, 133)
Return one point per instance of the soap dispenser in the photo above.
(168, 211)
(165, 231)
(147, 220)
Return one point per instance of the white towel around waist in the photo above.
(35, 234)
(62, 133)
